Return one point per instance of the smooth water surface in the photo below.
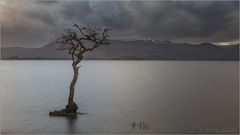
(167, 96)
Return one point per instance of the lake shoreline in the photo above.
(128, 59)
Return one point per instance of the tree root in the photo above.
(69, 111)
(63, 112)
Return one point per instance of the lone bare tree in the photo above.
(77, 41)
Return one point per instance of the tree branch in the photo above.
(74, 41)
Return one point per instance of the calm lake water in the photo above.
(167, 96)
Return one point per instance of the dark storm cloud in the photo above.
(215, 15)
(43, 17)
(76, 10)
(185, 21)
(25, 24)
(113, 14)
(46, 2)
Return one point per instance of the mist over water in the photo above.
(121, 96)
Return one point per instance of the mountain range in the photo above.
(131, 50)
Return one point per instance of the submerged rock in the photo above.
(69, 111)
(63, 113)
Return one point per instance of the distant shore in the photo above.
(131, 50)
(124, 59)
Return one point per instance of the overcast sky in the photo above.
(32, 23)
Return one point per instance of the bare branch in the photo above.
(81, 39)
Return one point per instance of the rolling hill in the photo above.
(132, 50)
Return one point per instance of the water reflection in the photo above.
(71, 123)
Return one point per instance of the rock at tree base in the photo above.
(69, 111)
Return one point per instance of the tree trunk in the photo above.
(72, 106)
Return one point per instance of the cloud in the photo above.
(35, 23)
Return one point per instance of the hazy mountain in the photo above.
(133, 50)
